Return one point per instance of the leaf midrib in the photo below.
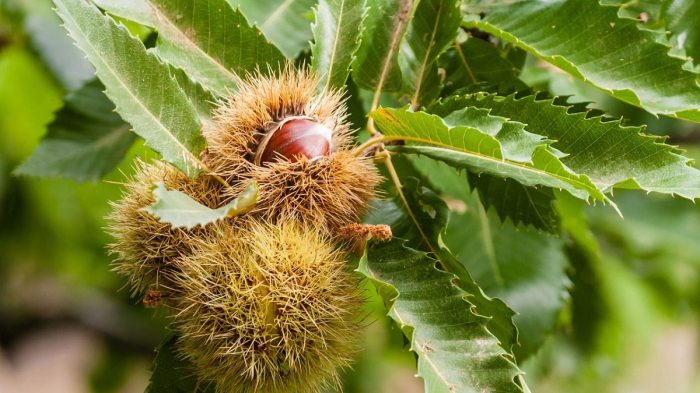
(486, 158)
(335, 45)
(402, 323)
(424, 63)
(124, 85)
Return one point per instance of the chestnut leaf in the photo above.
(181, 211)
(284, 22)
(337, 28)
(456, 352)
(85, 141)
(482, 143)
(611, 155)
(145, 93)
(599, 47)
(211, 41)
(433, 28)
(376, 61)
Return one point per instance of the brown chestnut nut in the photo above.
(294, 138)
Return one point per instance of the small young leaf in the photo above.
(144, 91)
(336, 38)
(85, 141)
(179, 210)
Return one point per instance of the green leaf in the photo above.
(284, 22)
(337, 29)
(203, 100)
(510, 199)
(172, 373)
(456, 353)
(53, 46)
(85, 141)
(525, 268)
(683, 20)
(376, 65)
(180, 210)
(144, 91)
(468, 146)
(608, 153)
(476, 60)
(138, 11)
(590, 41)
(211, 42)
(422, 223)
(532, 282)
(433, 27)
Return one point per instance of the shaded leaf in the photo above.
(337, 29)
(683, 19)
(180, 210)
(456, 353)
(624, 60)
(376, 65)
(144, 91)
(525, 268)
(609, 154)
(433, 27)
(424, 227)
(85, 141)
(510, 199)
(284, 22)
(211, 42)
(533, 282)
(476, 60)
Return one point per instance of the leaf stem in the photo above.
(399, 190)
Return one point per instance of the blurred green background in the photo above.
(66, 324)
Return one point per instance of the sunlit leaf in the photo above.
(145, 93)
